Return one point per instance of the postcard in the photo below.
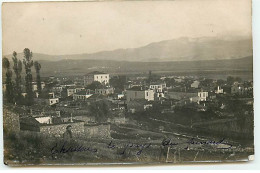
(127, 82)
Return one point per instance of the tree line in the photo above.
(13, 89)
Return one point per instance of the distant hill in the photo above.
(182, 49)
(242, 67)
(80, 67)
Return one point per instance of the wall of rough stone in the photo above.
(57, 130)
(97, 131)
(11, 121)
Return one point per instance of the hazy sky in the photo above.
(87, 27)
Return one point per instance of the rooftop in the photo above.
(95, 72)
(82, 92)
(138, 88)
(97, 96)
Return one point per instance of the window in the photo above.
(147, 93)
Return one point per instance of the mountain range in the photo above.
(181, 49)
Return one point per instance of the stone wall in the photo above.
(57, 130)
(11, 121)
(97, 131)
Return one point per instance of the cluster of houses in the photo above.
(67, 101)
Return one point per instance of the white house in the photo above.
(53, 101)
(203, 95)
(139, 92)
(96, 76)
(158, 87)
(72, 90)
(219, 90)
(81, 95)
(34, 85)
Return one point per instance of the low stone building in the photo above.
(53, 129)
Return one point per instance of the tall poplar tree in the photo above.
(18, 79)
(28, 63)
(37, 67)
(8, 81)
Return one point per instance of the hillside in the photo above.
(80, 67)
(182, 49)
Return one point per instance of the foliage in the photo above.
(17, 67)
(152, 78)
(101, 110)
(28, 63)
(170, 82)
(8, 81)
(231, 80)
(94, 85)
(118, 82)
(37, 67)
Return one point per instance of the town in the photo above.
(101, 107)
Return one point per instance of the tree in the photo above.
(118, 82)
(28, 63)
(8, 81)
(94, 85)
(101, 110)
(152, 78)
(238, 79)
(37, 67)
(18, 79)
(230, 80)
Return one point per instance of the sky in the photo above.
(59, 28)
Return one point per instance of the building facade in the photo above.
(139, 93)
(72, 90)
(104, 91)
(203, 95)
(101, 77)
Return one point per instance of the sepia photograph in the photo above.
(127, 82)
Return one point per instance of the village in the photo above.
(102, 108)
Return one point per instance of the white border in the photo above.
(253, 165)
